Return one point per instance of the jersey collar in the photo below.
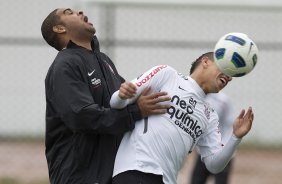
(196, 86)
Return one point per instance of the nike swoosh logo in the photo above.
(89, 74)
(181, 88)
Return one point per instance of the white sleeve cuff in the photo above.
(116, 102)
(217, 162)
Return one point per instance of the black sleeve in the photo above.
(76, 106)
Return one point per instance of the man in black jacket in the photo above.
(82, 131)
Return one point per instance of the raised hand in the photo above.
(243, 123)
(127, 90)
(150, 104)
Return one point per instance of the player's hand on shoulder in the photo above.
(127, 90)
(150, 104)
(243, 123)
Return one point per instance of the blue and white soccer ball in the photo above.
(235, 54)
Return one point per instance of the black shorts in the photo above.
(137, 177)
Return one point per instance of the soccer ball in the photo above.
(235, 54)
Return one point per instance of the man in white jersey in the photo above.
(154, 151)
(224, 108)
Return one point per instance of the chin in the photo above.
(91, 29)
(94, 30)
(91, 33)
(217, 90)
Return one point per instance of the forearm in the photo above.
(217, 162)
(96, 119)
(118, 103)
(155, 75)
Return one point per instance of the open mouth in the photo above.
(224, 79)
(85, 19)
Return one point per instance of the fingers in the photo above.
(126, 93)
(158, 111)
(241, 115)
(150, 104)
(160, 106)
(127, 90)
(128, 87)
(160, 99)
(250, 113)
(243, 123)
(250, 117)
(146, 91)
(157, 95)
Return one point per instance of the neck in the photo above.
(83, 43)
(200, 81)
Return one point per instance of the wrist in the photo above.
(234, 137)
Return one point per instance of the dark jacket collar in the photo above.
(94, 44)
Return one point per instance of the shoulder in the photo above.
(66, 61)
(163, 69)
(67, 57)
(158, 70)
(157, 74)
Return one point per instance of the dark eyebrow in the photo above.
(68, 9)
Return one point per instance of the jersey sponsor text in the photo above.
(150, 75)
(182, 116)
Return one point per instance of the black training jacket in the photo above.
(82, 132)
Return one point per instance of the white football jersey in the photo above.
(160, 143)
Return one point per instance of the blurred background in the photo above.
(138, 34)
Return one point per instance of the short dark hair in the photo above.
(47, 29)
(196, 63)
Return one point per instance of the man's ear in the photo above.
(205, 61)
(59, 29)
